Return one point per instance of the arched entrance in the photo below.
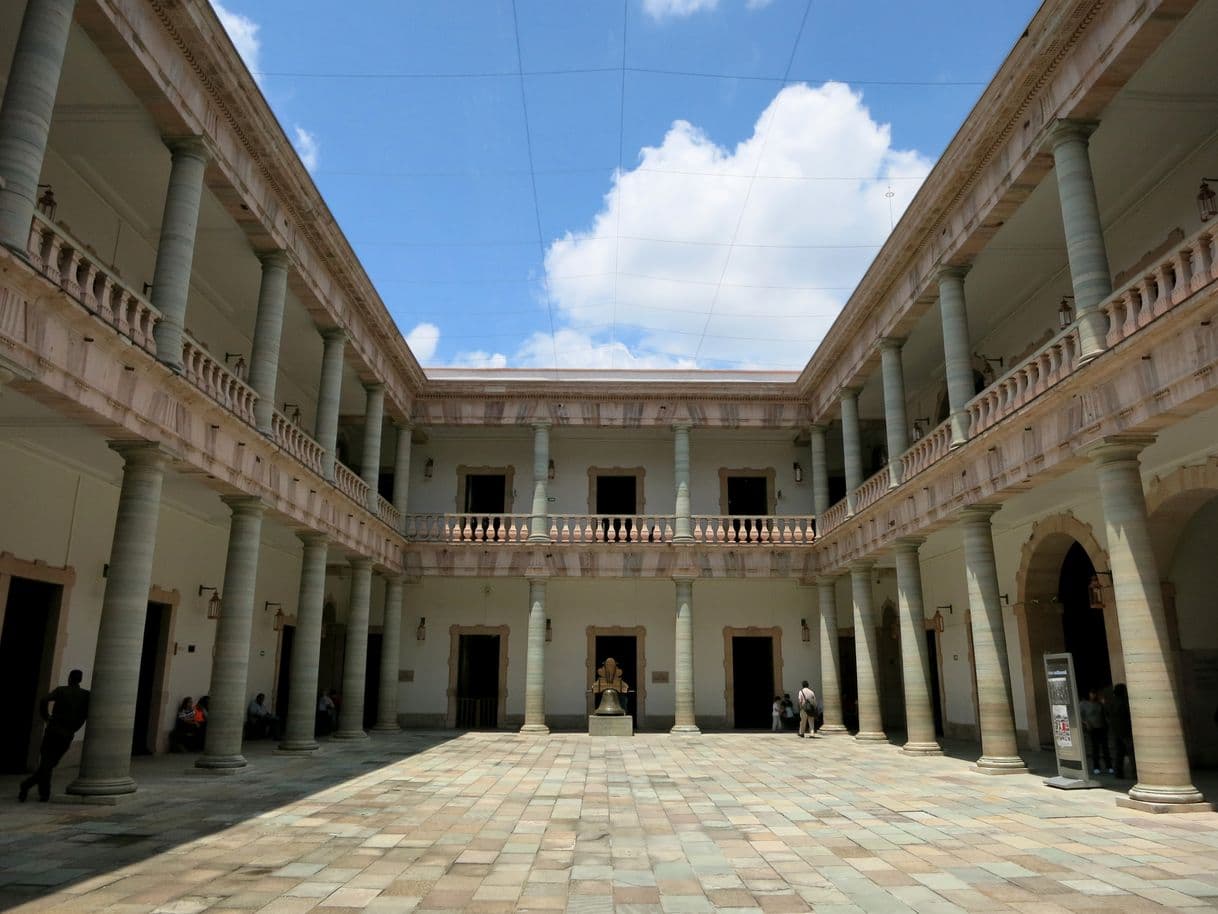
(1183, 515)
(1065, 603)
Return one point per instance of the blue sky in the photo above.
(671, 183)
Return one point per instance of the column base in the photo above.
(871, 736)
(349, 734)
(1001, 764)
(831, 730)
(922, 749)
(300, 750)
(535, 728)
(96, 790)
(686, 730)
(1149, 798)
(219, 764)
(388, 728)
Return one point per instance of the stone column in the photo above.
(915, 664)
(374, 421)
(957, 359)
(328, 393)
(683, 678)
(866, 653)
(535, 661)
(105, 765)
(268, 331)
(852, 447)
(306, 648)
(895, 424)
(1164, 780)
(355, 659)
(391, 646)
(820, 469)
(25, 116)
(401, 471)
(231, 657)
(175, 252)
(539, 528)
(1089, 272)
(830, 670)
(682, 524)
(999, 752)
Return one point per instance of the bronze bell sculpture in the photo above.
(611, 705)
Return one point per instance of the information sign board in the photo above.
(1067, 723)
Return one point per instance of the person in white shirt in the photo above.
(806, 701)
(776, 714)
(261, 719)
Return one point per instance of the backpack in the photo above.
(807, 702)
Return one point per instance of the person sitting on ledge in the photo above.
(260, 720)
(187, 734)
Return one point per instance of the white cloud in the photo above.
(802, 242)
(307, 147)
(423, 340)
(244, 32)
(757, 4)
(574, 350)
(670, 9)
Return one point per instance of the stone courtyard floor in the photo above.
(502, 822)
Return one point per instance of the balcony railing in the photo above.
(872, 489)
(216, 380)
(931, 447)
(780, 530)
(293, 439)
(388, 513)
(350, 484)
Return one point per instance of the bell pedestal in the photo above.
(610, 719)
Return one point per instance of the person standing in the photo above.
(806, 699)
(71, 708)
(776, 714)
(1120, 732)
(1096, 730)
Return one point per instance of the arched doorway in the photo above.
(1065, 603)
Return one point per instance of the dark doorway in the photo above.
(849, 682)
(152, 674)
(372, 679)
(748, 496)
(617, 495)
(1082, 623)
(283, 683)
(478, 681)
(752, 681)
(936, 700)
(624, 649)
(485, 493)
(27, 643)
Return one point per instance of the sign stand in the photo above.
(1072, 764)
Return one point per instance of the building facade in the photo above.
(225, 472)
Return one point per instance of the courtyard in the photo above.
(489, 821)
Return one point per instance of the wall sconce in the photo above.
(239, 367)
(798, 471)
(550, 470)
(291, 411)
(946, 606)
(420, 633)
(213, 604)
(47, 204)
(1207, 201)
(921, 427)
(1095, 590)
(805, 633)
(988, 371)
(429, 467)
(1065, 312)
(549, 631)
(277, 622)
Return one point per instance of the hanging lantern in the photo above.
(805, 632)
(1207, 201)
(420, 633)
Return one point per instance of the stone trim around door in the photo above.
(509, 481)
(639, 689)
(729, 679)
(161, 699)
(454, 653)
(638, 473)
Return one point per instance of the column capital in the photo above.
(536, 575)
(376, 387)
(820, 428)
(1065, 130)
(403, 425)
(978, 513)
(309, 538)
(850, 391)
(244, 504)
(359, 563)
(141, 453)
(191, 146)
(537, 424)
(826, 580)
(952, 271)
(276, 259)
(334, 335)
(684, 577)
(908, 543)
(684, 426)
(891, 342)
(1118, 448)
(862, 565)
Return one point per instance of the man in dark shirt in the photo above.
(71, 708)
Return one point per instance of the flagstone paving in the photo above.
(496, 822)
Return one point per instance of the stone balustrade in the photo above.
(783, 530)
(1044, 368)
(611, 528)
(71, 266)
(1187, 269)
(293, 439)
(872, 489)
(736, 530)
(216, 380)
(467, 528)
(926, 450)
(350, 484)
(834, 517)
(388, 513)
